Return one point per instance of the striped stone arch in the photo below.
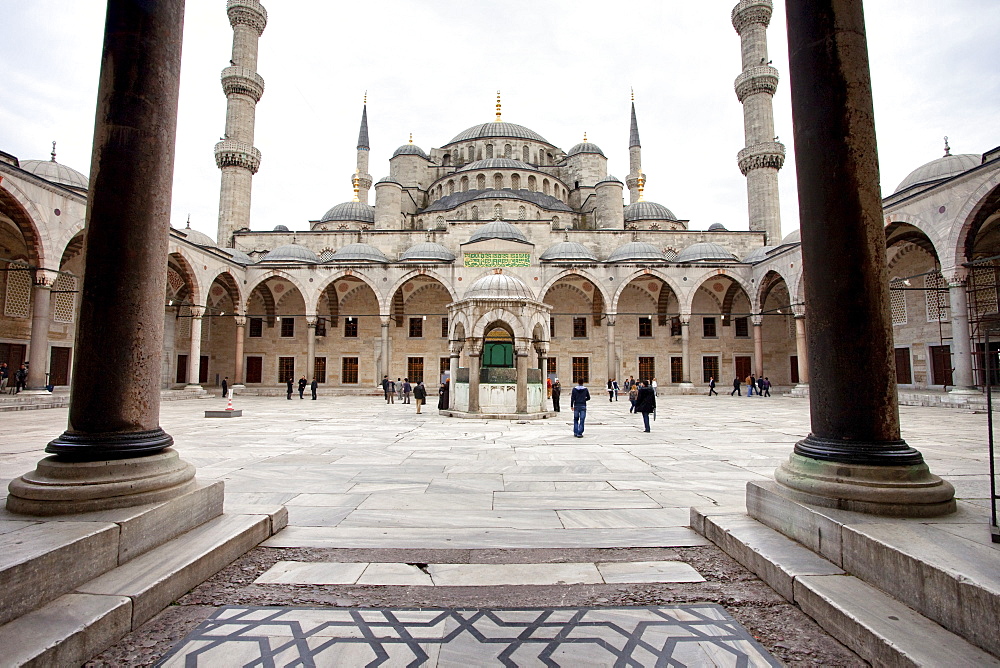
(970, 216)
(652, 272)
(574, 271)
(27, 218)
(231, 285)
(182, 266)
(332, 278)
(715, 272)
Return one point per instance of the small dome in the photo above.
(610, 179)
(648, 211)
(568, 251)
(427, 252)
(793, 237)
(585, 147)
(410, 149)
(499, 286)
(198, 238)
(358, 211)
(940, 169)
(52, 171)
(388, 179)
(494, 129)
(717, 227)
(290, 253)
(280, 228)
(239, 257)
(359, 253)
(495, 163)
(498, 229)
(758, 254)
(705, 252)
(636, 251)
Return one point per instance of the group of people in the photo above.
(641, 393)
(20, 377)
(402, 389)
(631, 387)
(303, 384)
(762, 386)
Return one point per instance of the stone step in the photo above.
(947, 571)
(48, 557)
(74, 627)
(876, 626)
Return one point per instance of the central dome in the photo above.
(501, 129)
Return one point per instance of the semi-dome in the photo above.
(568, 251)
(793, 237)
(636, 251)
(358, 211)
(388, 179)
(501, 129)
(758, 254)
(585, 147)
(648, 211)
(499, 286)
(410, 149)
(498, 229)
(427, 252)
(940, 169)
(359, 252)
(495, 163)
(239, 257)
(290, 253)
(198, 238)
(717, 227)
(281, 228)
(610, 178)
(705, 252)
(52, 171)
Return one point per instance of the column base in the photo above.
(965, 390)
(896, 491)
(37, 391)
(61, 486)
(238, 386)
(194, 388)
(800, 391)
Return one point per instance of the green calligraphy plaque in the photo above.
(485, 260)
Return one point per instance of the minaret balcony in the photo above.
(247, 12)
(749, 12)
(765, 154)
(242, 81)
(756, 79)
(232, 153)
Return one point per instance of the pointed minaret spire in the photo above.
(636, 178)
(498, 108)
(361, 179)
(54, 149)
(189, 222)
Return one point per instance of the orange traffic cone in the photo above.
(230, 406)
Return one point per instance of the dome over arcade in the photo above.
(717, 227)
(290, 253)
(498, 229)
(758, 254)
(940, 169)
(648, 211)
(499, 286)
(410, 149)
(585, 147)
(52, 171)
(705, 252)
(358, 211)
(568, 251)
(359, 252)
(793, 237)
(427, 252)
(239, 257)
(198, 238)
(498, 129)
(495, 163)
(636, 251)
(281, 228)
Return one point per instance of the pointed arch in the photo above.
(646, 272)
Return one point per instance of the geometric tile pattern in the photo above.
(683, 635)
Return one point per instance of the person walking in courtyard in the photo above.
(751, 383)
(385, 387)
(633, 394)
(556, 391)
(288, 387)
(711, 387)
(578, 399)
(390, 397)
(736, 387)
(767, 387)
(314, 386)
(611, 389)
(760, 386)
(20, 379)
(646, 403)
(399, 390)
(407, 388)
(655, 386)
(225, 387)
(302, 387)
(419, 395)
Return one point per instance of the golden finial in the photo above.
(641, 183)
(584, 136)
(498, 108)
(366, 97)
(357, 187)
(411, 137)
(633, 93)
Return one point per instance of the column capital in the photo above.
(757, 319)
(610, 318)
(240, 320)
(44, 278)
(955, 276)
(197, 311)
(385, 320)
(312, 321)
(455, 348)
(685, 319)
(475, 347)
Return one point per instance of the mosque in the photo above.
(501, 255)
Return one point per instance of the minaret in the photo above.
(236, 155)
(635, 174)
(361, 178)
(755, 86)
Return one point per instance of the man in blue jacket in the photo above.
(578, 402)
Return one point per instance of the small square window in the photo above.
(580, 328)
(708, 328)
(287, 327)
(349, 370)
(350, 328)
(416, 328)
(256, 328)
(645, 327)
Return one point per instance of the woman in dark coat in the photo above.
(645, 403)
(443, 396)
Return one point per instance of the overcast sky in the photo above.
(432, 67)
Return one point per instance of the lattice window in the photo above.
(18, 293)
(515, 182)
(984, 290)
(508, 151)
(937, 298)
(475, 213)
(481, 182)
(497, 212)
(489, 151)
(183, 328)
(897, 303)
(498, 182)
(64, 298)
(522, 213)
(326, 255)
(525, 157)
(532, 184)
(451, 187)
(465, 184)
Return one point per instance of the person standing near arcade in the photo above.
(556, 392)
(578, 399)
(646, 402)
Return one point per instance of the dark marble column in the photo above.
(114, 410)
(854, 457)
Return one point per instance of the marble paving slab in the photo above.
(698, 635)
